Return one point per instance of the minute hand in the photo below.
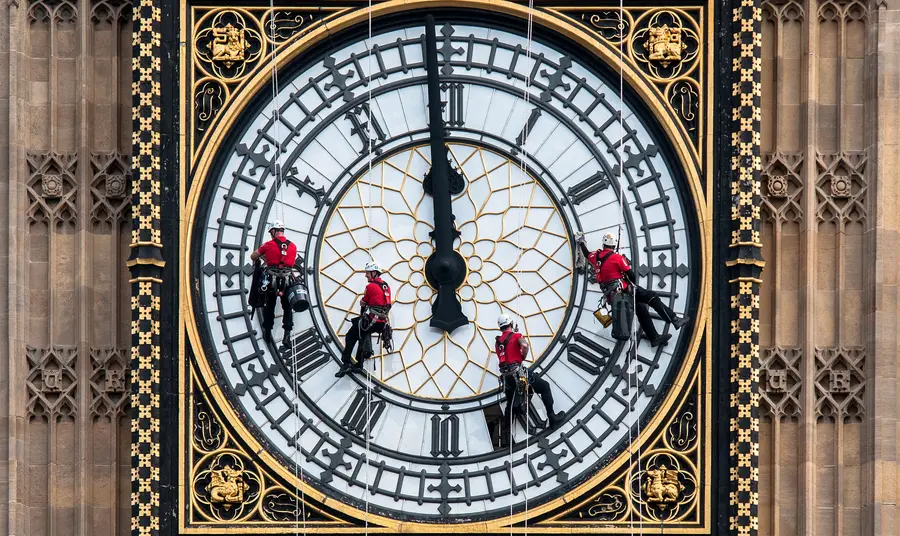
(445, 269)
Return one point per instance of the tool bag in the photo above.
(622, 316)
(257, 297)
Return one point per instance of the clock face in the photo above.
(514, 240)
(416, 430)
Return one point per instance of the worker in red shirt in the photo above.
(614, 274)
(512, 349)
(280, 254)
(374, 307)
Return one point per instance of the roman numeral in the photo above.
(306, 354)
(445, 436)
(361, 418)
(588, 187)
(587, 354)
(305, 186)
(366, 127)
(453, 105)
(529, 126)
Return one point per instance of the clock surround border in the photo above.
(705, 222)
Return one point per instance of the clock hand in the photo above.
(445, 269)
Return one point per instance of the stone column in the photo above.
(880, 514)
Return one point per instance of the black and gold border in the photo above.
(146, 265)
(698, 519)
(745, 265)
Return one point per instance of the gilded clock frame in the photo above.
(691, 402)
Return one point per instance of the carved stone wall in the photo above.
(829, 184)
(65, 94)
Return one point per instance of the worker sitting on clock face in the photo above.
(280, 255)
(374, 307)
(614, 274)
(512, 349)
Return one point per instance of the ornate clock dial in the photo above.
(416, 431)
(514, 241)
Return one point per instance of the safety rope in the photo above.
(299, 491)
(523, 215)
(369, 151)
(631, 351)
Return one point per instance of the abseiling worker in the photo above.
(614, 274)
(512, 349)
(374, 307)
(280, 254)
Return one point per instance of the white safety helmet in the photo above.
(277, 224)
(503, 320)
(609, 241)
(372, 266)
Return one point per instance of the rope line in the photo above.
(368, 426)
(299, 491)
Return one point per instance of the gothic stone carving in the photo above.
(841, 187)
(840, 383)
(110, 393)
(782, 187)
(781, 11)
(109, 11)
(51, 382)
(52, 189)
(110, 196)
(58, 11)
(780, 385)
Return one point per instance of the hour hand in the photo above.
(446, 312)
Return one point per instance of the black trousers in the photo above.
(268, 320)
(353, 337)
(645, 300)
(538, 384)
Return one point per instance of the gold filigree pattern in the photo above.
(664, 487)
(661, 484)
(226, 487)
(665, 45)
(229, 46)
(515, 245)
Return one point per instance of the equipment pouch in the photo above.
(622, 316)
(257, 297)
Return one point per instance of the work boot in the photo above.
(680, 321)
(660, 340)
(286, 340)
(555, 418)
(345, 369)
(267, 336)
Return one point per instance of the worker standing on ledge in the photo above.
(280, 255)
(512, 349)
(614, 274)
(374, 307)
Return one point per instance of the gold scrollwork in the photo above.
(682, 434)
(663, 487)
(611, 24)
(280, 25)
(665, 45)
(229, 45)
(208, 434)
(683, 96)
(209, 97)
(610, 505)
(226, 489)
